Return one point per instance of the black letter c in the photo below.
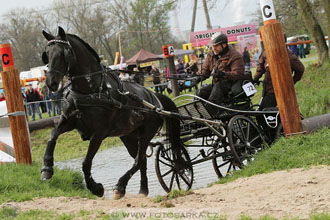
(264, 11)
(3, 59)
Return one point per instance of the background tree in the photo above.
(314, 29)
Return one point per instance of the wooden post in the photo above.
(174, 81)
(18, 123)
(280, 70)
(168, 51)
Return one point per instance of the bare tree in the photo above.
(314, 29)
(207, 16)
(192, 29)
(326, 6)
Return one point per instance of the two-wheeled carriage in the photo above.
(230, 138)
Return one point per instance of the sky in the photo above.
(237, 11)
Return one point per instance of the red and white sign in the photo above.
(6, 57)
(168, 50)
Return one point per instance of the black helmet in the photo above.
(218, 38)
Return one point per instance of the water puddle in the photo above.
(109, 165)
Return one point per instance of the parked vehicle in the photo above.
(303, 37)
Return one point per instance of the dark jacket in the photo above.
(297, 69)
(33, 96)
(155, 76)
(231, 63)
(246, 57)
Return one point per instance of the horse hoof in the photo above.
(45, 175)
(99, 191)
(117, 195)
(144, 193)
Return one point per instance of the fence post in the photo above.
(279, 65)
(17, 120)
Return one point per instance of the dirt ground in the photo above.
(291, 193)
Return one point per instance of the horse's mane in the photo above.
(86, 45)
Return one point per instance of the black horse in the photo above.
(97, 105)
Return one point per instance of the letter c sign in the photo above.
(6, 57)
(267, 10)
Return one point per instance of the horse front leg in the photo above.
(120, 188)
(144, 190)
(96, 188)
(47, 168)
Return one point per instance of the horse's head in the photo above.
(60, 58)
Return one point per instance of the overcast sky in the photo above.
(237, 11)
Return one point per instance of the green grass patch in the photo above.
(313, 91)
(21, 183)
(69, 145)
(295, 152)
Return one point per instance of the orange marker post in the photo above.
(279, 65)
(17, 120)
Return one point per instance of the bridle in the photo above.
(69, 55)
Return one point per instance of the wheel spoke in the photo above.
(230, 165)
(183, 177)
(234, 132)
(242, 131)
(221, 165)
(172, 180)
(177, 180)
(169, 165)
(247, 135)
(168, 172)
(255, 138)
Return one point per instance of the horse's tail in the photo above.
(172, 123)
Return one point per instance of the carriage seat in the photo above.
(237, 91)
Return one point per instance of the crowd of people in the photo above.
(41, 100)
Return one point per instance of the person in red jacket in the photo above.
(2, 97)
(33, 97)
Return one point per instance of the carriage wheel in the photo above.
(245, 139)
(173, 175)
(223, 165)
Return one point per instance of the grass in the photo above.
(69, 145)
(295, 152)
(23, 183)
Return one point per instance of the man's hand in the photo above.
(218, 74)
(201, 78)
(256, 81)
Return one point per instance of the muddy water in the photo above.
(109, 165)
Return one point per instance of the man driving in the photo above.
(226, 65)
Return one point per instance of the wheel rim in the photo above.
(245, 139)
(173, 174)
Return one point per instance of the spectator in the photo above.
(154, 72)
(301, 49)
(246, 58)
(256, 57)
(294, 48)
(180, 69)
(33, 97)
(56, 98)
(2, 97)
(44, 91)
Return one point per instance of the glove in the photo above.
(218, 74)
(256, 82)
(200, 78)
